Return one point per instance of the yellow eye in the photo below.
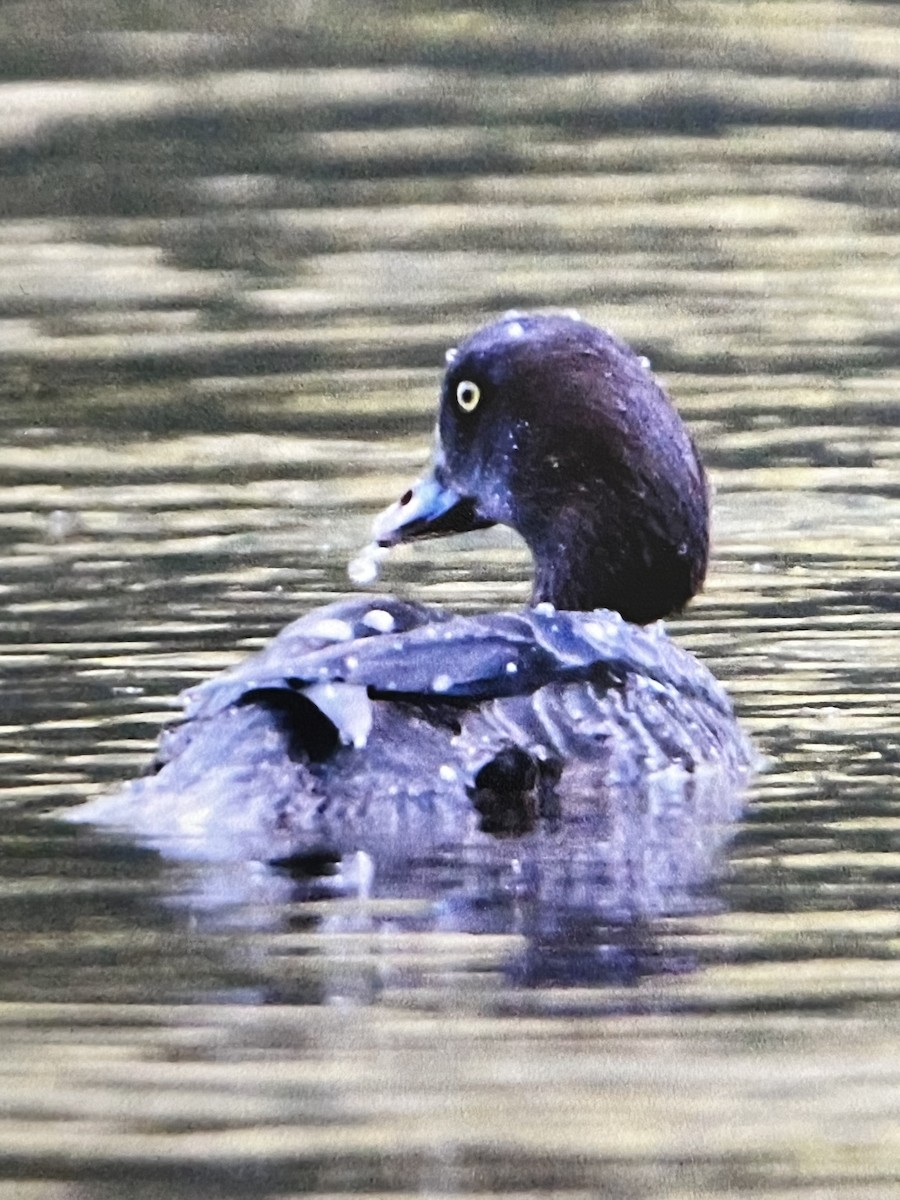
(467, 395)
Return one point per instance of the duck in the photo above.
(382, 723)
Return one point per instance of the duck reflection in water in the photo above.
(573, 732)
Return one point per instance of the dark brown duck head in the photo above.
(557, 429)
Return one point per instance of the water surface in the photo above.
(233, 249)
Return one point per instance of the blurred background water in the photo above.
(235, 242)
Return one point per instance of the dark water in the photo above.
(234, 244)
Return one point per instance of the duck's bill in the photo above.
(428, 509)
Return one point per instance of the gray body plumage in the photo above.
(408, 722)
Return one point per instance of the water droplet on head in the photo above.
(441, 683)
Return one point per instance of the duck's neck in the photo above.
(577, 589)
(643, 577)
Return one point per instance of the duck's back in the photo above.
(377, 721)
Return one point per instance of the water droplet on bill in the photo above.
(365, 567)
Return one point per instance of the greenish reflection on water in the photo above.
(234, 245)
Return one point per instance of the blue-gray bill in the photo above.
(428, 509)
